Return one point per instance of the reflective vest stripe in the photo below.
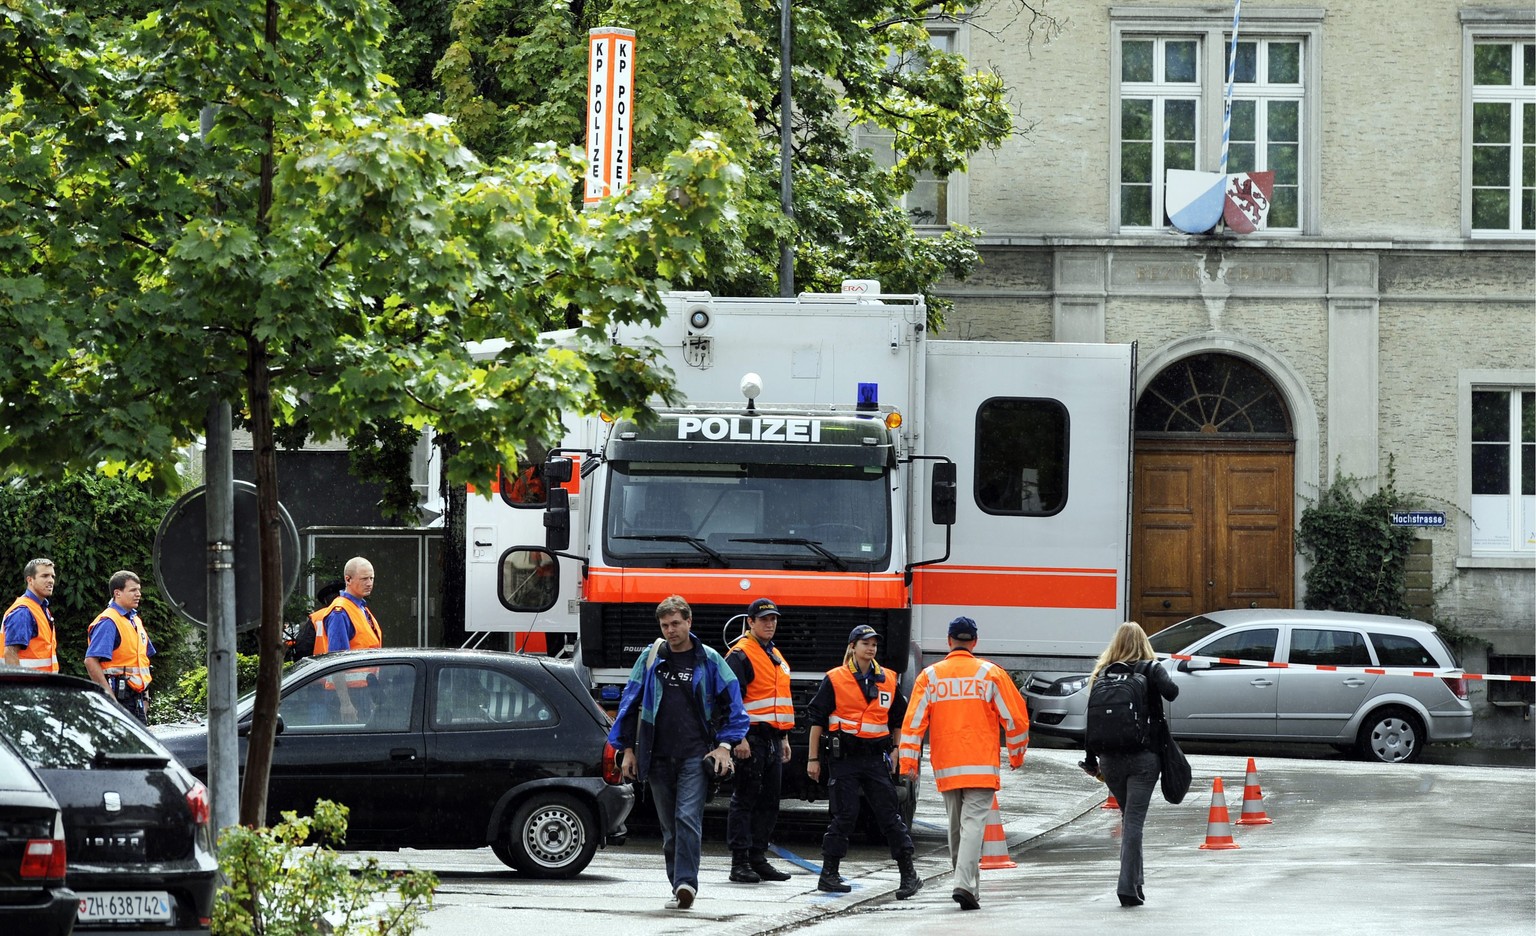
(967, 770)
(42, 651)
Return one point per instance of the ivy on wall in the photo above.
(1359, 558)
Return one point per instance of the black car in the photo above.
(445, 749)
(34, 897)
(136, 823)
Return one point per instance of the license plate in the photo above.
(129, 906)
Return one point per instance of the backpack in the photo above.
(1119, 714)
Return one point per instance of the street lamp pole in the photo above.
(786, 148)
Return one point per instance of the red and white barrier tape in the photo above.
(1374, 670)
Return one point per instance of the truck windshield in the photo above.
(752, 515)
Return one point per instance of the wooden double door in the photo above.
(1212, 528)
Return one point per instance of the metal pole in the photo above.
(219, 478)
(786, 150)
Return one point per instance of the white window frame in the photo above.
(1479, 26)
(1213, 32)
(957, 185)
(1519, 556)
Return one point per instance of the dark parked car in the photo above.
(34, 899)
(445, 749)
(136, 823)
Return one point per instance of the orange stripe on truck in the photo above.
(724, 586)
(994, 586)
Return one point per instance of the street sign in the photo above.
(1418, 518)
(181, 556)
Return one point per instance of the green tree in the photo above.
(514, 71)
(317, 255)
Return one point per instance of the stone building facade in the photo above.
(1386, 315)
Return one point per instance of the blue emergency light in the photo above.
(869, 396)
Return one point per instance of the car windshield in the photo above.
(1184, 634)
(64, 728)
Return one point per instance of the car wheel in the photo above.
(1391, 735)
(551, 835)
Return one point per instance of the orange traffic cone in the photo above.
(1110, 803)
(1218, 834)
(1253, 799)
(994, 844)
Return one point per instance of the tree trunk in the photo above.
(269, 674)
(269, 641)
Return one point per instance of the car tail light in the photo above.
(197, 801)
(611, 772)
(1456, 684)
(43, 860)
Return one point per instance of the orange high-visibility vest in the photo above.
(365, 627)
(856, 715)
(767, 698)
(365, 636)
(131, 658)
(42, 651)
(965, 699)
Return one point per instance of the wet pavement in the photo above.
(1354, 847)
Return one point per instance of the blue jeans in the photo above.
(679, 786)
(1131, 778)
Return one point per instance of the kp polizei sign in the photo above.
(610, 106)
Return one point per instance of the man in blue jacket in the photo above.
(679, 718)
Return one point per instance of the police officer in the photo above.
(761, 755)
(118, 648)
(853, 710)
(30, 640)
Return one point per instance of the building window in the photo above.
(1503, 442)
(1172, 70)
(1503, 138)
(934, 201)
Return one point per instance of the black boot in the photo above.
(829, 880)
(741, 869)
(910, 882)
(766, 871)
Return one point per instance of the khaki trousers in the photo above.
(968, 808)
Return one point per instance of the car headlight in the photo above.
(1065, 686)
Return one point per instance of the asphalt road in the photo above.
(1354, 847)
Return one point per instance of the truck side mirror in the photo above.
(945, 485)
(557, 471)
(557, 516)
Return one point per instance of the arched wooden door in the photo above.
(1214, 473)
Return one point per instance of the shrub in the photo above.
(280, 885)
(1358, 556)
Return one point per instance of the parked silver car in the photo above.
(1387, 718)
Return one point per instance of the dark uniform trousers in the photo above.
(755, 801)
(871, 774)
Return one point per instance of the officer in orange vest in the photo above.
(348, 624)
(853, 709)
(118, 648)
(30, 640)
(964, 699)
(764, 677)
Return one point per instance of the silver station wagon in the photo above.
(1386, 718)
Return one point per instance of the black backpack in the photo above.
(1119, 714)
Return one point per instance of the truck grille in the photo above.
(811, 638)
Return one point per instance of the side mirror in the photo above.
(1191, 666)
(944, 488)
(557, 470)
(244, 728)
(557, 518)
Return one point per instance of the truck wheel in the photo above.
(550, 835)
(1392, 735)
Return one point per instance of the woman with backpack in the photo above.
(1120, 741)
